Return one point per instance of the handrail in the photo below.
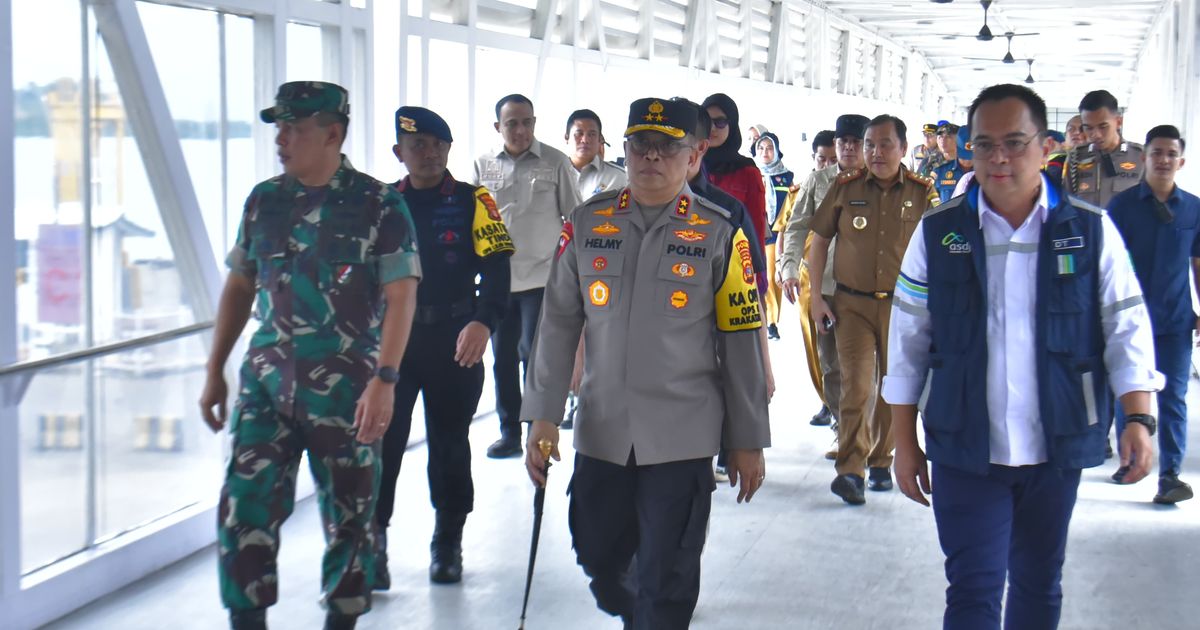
(104, 349)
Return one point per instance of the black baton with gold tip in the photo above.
(539, 499)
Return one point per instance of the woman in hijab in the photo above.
(730, 171)
(737, 175)
(777, 180)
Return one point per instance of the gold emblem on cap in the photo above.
(408, 124)
(859, 223)
(655, 115)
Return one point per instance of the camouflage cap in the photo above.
(301, 99)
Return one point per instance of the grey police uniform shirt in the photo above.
(534, 193)
(674, 364)
(598, 176)
(1097, 177)
(812, 193)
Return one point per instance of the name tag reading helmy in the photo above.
(1074, 242)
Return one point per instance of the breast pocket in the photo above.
(343, 267)
(600, 280)
(682, 286)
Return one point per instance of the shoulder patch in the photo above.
(924, 181)
(736, 302)
(488, 232)
(851, 175)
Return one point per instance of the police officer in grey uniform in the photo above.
(673, 372)
(1108, 164)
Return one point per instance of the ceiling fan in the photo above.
(1008, 56)
(985, 33)
(1029, 76)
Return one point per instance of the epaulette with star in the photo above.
(851, 175)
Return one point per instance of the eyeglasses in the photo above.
(668, 149)
(1012, 147)
(720, 123)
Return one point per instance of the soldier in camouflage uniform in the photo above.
(319, 245)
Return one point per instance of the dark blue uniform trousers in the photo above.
(658, 514)
(1010, 523)
(451, 395)
(1173, 357)
(511, 344)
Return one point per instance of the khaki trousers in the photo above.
(864, 438)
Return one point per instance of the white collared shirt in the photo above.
(1016, 437)
(598, 176)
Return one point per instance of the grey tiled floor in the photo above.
(795, 558)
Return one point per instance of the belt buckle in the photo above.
(881, 295)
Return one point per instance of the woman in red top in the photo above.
(730, 171)
(739, 176)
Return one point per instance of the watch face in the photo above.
(388, 374)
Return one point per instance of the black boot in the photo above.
(445, 566)
(383, 579)
(253, 619)
(337, 621)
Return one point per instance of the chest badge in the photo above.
(606, 229)
(683, 270)
(696, 220)
(1128, 166)
(679, 299)
(1084, 186)
(607, 212)
(449, 237)
(690, 236)
(598, 293)
(908, 204)
(599, 263)
(343, 274)
(859, 223)
(1066, 264)
(956, 243)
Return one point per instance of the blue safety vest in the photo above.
(1075, 402)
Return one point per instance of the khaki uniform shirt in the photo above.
(1097, 177)
(873, 221)
(812, 193)
(534, 192)
(674, 365)
(598, 176)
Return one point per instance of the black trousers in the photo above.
(511, 343)
(451, 395)
(638, 532)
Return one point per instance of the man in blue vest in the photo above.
(1020, 307)
(1161, 226)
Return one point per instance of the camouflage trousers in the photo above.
(259, 494)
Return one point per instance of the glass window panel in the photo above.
(412, 77)
(136, 285)
(155, 456)
(305, 61)
(448, 95)
(53, 467)
(49, 176)
(243, 117)
(185, 46)
(358, 102)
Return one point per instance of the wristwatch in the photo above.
(1144, 419)
(389, 375)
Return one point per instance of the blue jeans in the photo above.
(1173, 357)
(1008, 524)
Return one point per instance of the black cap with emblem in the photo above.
(673, 118)
(411, 120)
(854, 125)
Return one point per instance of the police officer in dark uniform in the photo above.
(460, 236)
(953, 145)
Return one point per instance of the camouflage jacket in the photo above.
(319, 257)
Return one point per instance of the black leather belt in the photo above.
(876, 295)
(439, 312)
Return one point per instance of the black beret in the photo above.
(410, 120)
